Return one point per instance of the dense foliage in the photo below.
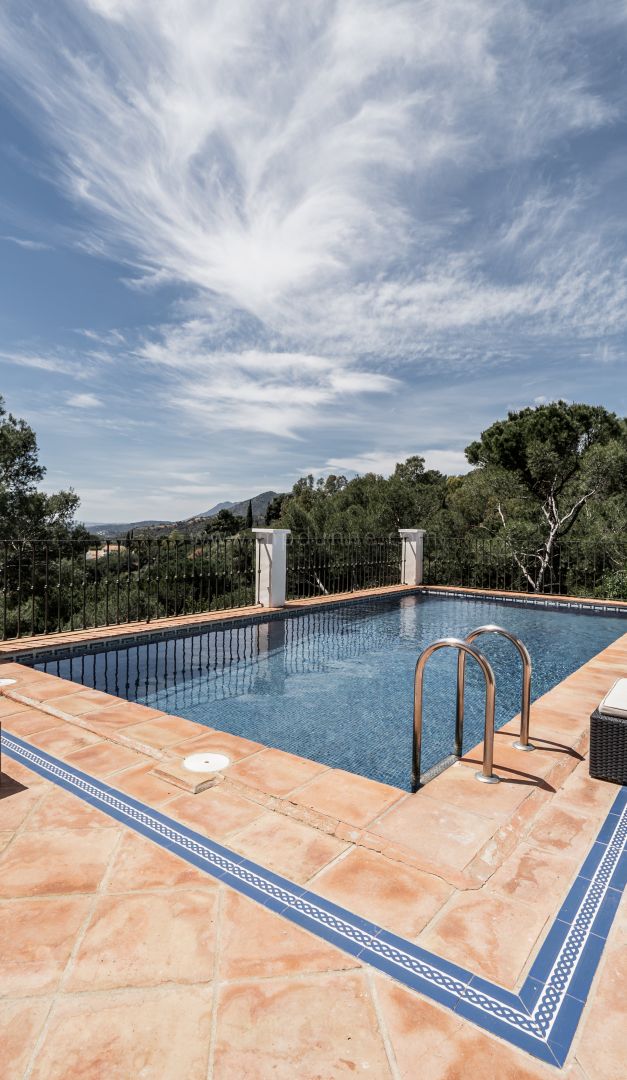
(542, 508)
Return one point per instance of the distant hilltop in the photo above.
(260, 504)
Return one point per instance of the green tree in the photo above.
(25, 512)
(249, 515)
(275, 509)
(366, 505)
(224, 523)
(538, 470)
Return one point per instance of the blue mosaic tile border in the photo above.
(526, 600)
(148, 636)
(541, 1019)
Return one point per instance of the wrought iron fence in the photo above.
(319, 566)
(594, 568)
(75, 585)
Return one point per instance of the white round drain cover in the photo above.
(206, 762)
(8, 682)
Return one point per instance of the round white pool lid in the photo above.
(206, 763)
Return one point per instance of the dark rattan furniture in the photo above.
(608, 747)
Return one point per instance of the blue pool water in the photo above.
(336, 684)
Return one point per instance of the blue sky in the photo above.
(246, 240)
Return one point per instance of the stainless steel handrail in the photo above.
(525, 701)
(486, 775)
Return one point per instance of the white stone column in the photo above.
(412, 556)
(271, 554)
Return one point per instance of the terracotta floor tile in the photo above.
(588, 796)
(163, 731)
(84, 702)
(216, 812)
(528, 769)
(491, 934)
(56, 861)
(125, 714)
(36, 939)
(17, 802)
(437, 832)
(9, 707)
(219, 742)
(63, 739)
(431, 1043)
(561, 724)
(536, 877)
(147, 939)
(315, 1028)
(342, 795)
(5, 838)
(28, 722)
(48, 688)
(139, 864)
(458, 786)
(287, 846)
(389, 893)
(20, 1025)
(256, 943)
(104, 758)
(274, 771)
(415, 1027)
(560, 828)
(141, 784)
(61, 809)
(155, 1035)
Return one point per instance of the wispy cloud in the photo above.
(350, 198)
(29, 245)
(84, 401)
(289, 160)
(58, 365)
(272, 392)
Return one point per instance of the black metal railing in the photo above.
(576, 567)
(75, 585)
(319, 566)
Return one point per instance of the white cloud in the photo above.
(30, 245)
(273, 392)
(350, 195)
(451, 462)
(289, 160)
(58, 365)
(84, 401)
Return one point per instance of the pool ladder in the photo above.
(465, 647)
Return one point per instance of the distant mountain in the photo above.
(260, 505)
(216, 509)
(108, 530)
(198, 521)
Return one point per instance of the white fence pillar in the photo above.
(271, 555)
(412, 556)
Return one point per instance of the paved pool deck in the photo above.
(123, 959)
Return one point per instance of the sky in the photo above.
(246, 240)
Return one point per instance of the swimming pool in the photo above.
(336, 684)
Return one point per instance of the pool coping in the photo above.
(541, 1018)
(74, 642)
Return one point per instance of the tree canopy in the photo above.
(538, 476)
(26, 513)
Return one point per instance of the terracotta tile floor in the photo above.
(120, 960)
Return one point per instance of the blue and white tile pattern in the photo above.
(541, 1019)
